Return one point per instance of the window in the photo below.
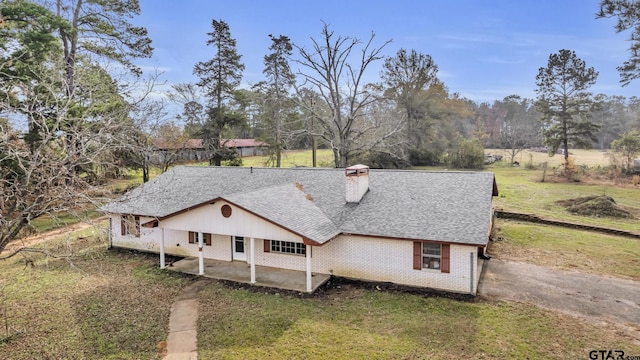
(288, 247)
(193, 238)
(431, 256)
(130, 225)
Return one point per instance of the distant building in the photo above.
(193, 149)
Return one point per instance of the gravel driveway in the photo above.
(575, 293)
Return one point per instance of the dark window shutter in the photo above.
(417, 255)
(267, 245)
(446, 249)
(123, 225)
(137, 221)
(191, 237)
(208, 240)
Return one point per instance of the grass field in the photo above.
(521, 191)
(294, 158)
(580, 156)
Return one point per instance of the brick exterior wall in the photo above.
(358, 257)
(390, 260)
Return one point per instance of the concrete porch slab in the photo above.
(239, 271)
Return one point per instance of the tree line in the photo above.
(68, 77)
(407, 118)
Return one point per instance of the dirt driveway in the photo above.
(46, 236)
(579, 294)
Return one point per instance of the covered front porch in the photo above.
(240, 271)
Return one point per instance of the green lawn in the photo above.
(558, 247)
(95, 304)
(354, 323)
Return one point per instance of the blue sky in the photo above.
(485, 50)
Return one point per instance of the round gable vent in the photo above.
(225, 210)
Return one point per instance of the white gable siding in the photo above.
(209, 219)
(391, 260)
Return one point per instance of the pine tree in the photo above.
(219, 77)
(565, 103)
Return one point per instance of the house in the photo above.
(193, 149)
(415, 228)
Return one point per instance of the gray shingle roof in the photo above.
(288, 206)
(442, 206)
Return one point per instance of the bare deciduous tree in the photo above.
(38, 178)
(328, 70)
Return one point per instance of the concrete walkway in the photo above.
(183, 323)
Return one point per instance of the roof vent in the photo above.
(357, 179)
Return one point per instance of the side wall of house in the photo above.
(176, 242)
(391, 260)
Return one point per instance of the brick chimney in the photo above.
(357, 178)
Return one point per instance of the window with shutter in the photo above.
(130, 225)
(431, 256)
(193, 238)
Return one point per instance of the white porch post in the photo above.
(308, 252)
(252, 248)
(162, 263)
(200, 255)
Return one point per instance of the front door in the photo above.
(239, 252)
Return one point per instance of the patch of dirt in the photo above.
(49, 235)
(596, 206)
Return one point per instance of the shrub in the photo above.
(468, 155)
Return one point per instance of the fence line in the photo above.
(501, 214)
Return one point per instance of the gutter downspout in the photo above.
(471, 278)
(110, 232)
